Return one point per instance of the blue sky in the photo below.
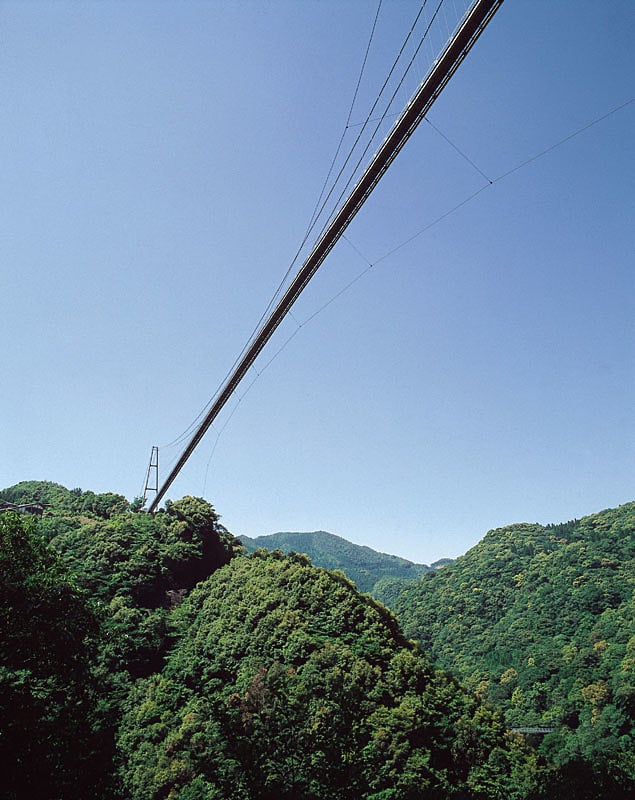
(161, 162)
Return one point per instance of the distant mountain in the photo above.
(377, 573)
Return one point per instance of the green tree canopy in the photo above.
(49, 733)
(286, 682)
(539, 620)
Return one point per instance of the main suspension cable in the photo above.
(442, 70)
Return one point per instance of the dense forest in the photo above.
(540, 622)
(88, 591)
(150, 657)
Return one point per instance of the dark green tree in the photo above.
(50, 741)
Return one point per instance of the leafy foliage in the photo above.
(61, 501)
(540, 621)
(139, 567)
(135, 569)
(49, 727)
(149, 657)
(144, 557)
(287, 683)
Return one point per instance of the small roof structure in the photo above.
(22, 508)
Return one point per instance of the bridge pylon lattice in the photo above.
(152, 473)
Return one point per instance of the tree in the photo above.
(50, 740)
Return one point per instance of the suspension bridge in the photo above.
(458, 45)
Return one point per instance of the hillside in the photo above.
(289, 684)
(88, 596)
(363, 565)
(541, 622)
(149, 656)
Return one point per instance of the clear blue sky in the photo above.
(160, 163)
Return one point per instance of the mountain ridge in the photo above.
(369, 569)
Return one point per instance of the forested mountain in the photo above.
(287, 683)
(540, 621)
(363, 565)
(150, 657)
